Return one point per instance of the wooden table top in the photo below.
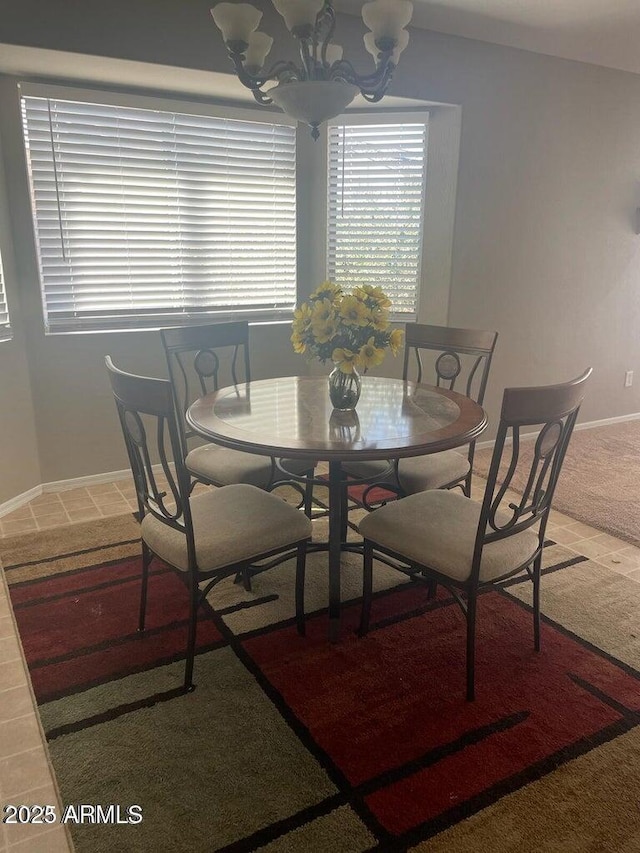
(292, 416)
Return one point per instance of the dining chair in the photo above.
(200, 359)
(206, 537)
(460, 361)
(443, 537)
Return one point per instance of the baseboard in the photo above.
(64, 485)
(635, 416)
(20, 500)
(90, 480)
(606, 421)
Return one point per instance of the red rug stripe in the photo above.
(73, 626)
(140, 652)
(76, 581)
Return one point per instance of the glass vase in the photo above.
(344, 389)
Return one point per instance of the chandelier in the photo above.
(323, 84)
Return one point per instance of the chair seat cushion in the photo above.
(421, 473)
(437, 529)
(230, 524)
(224, 467)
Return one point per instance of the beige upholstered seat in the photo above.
(461, 362)
(421, 473)
(221, 466)
(415, 474)
(444, 525)
(210, 536)
(443, 537)
(230, 525)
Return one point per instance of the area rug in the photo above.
(599, 480)
(294, 744)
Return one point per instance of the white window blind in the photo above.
(376, 187)
(5, 328)
(145, 217)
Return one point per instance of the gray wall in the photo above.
(544, 246)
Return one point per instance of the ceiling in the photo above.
(603, 32)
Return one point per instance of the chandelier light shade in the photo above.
(323, 83)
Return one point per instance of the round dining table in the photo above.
(292, 417)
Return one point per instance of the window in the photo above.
(376, 208)
(146, 217)
(5, 328)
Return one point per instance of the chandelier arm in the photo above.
(373, 97)
(248, 80)
(261, 98)
(383, 72)
(308, 62)
(375, 93)
(328, 11)
(379, 80)
(343, 70)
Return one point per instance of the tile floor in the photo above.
(64, 507)
(25, 774)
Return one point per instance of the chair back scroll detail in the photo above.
(554, 410)
(151, 431)
(194, 363)
(464, 357)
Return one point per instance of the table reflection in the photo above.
(288, 410)
(344, 427)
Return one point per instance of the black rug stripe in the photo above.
(117, 676)
(556, 567)
(112, 714)
(628, 713)
(80, 553)
(133, 636)
(74, 593)
(433, 756)
(561, 629)
(282, 827)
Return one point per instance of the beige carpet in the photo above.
(599, 483)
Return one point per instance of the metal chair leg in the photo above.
(367, 589)
(147, 556)
(471, 644)
(466, 489)
(344, 512)
(246, 578)
(300, 573)
(537, 567)
(194, 594)
(308, 493)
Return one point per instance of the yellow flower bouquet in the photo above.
(350, 329)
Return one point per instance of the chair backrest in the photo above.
(199, 358)
(530, 468)
(461, 357)
(151, 432)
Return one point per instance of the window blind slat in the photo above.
(376, 180)
(142, 213)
